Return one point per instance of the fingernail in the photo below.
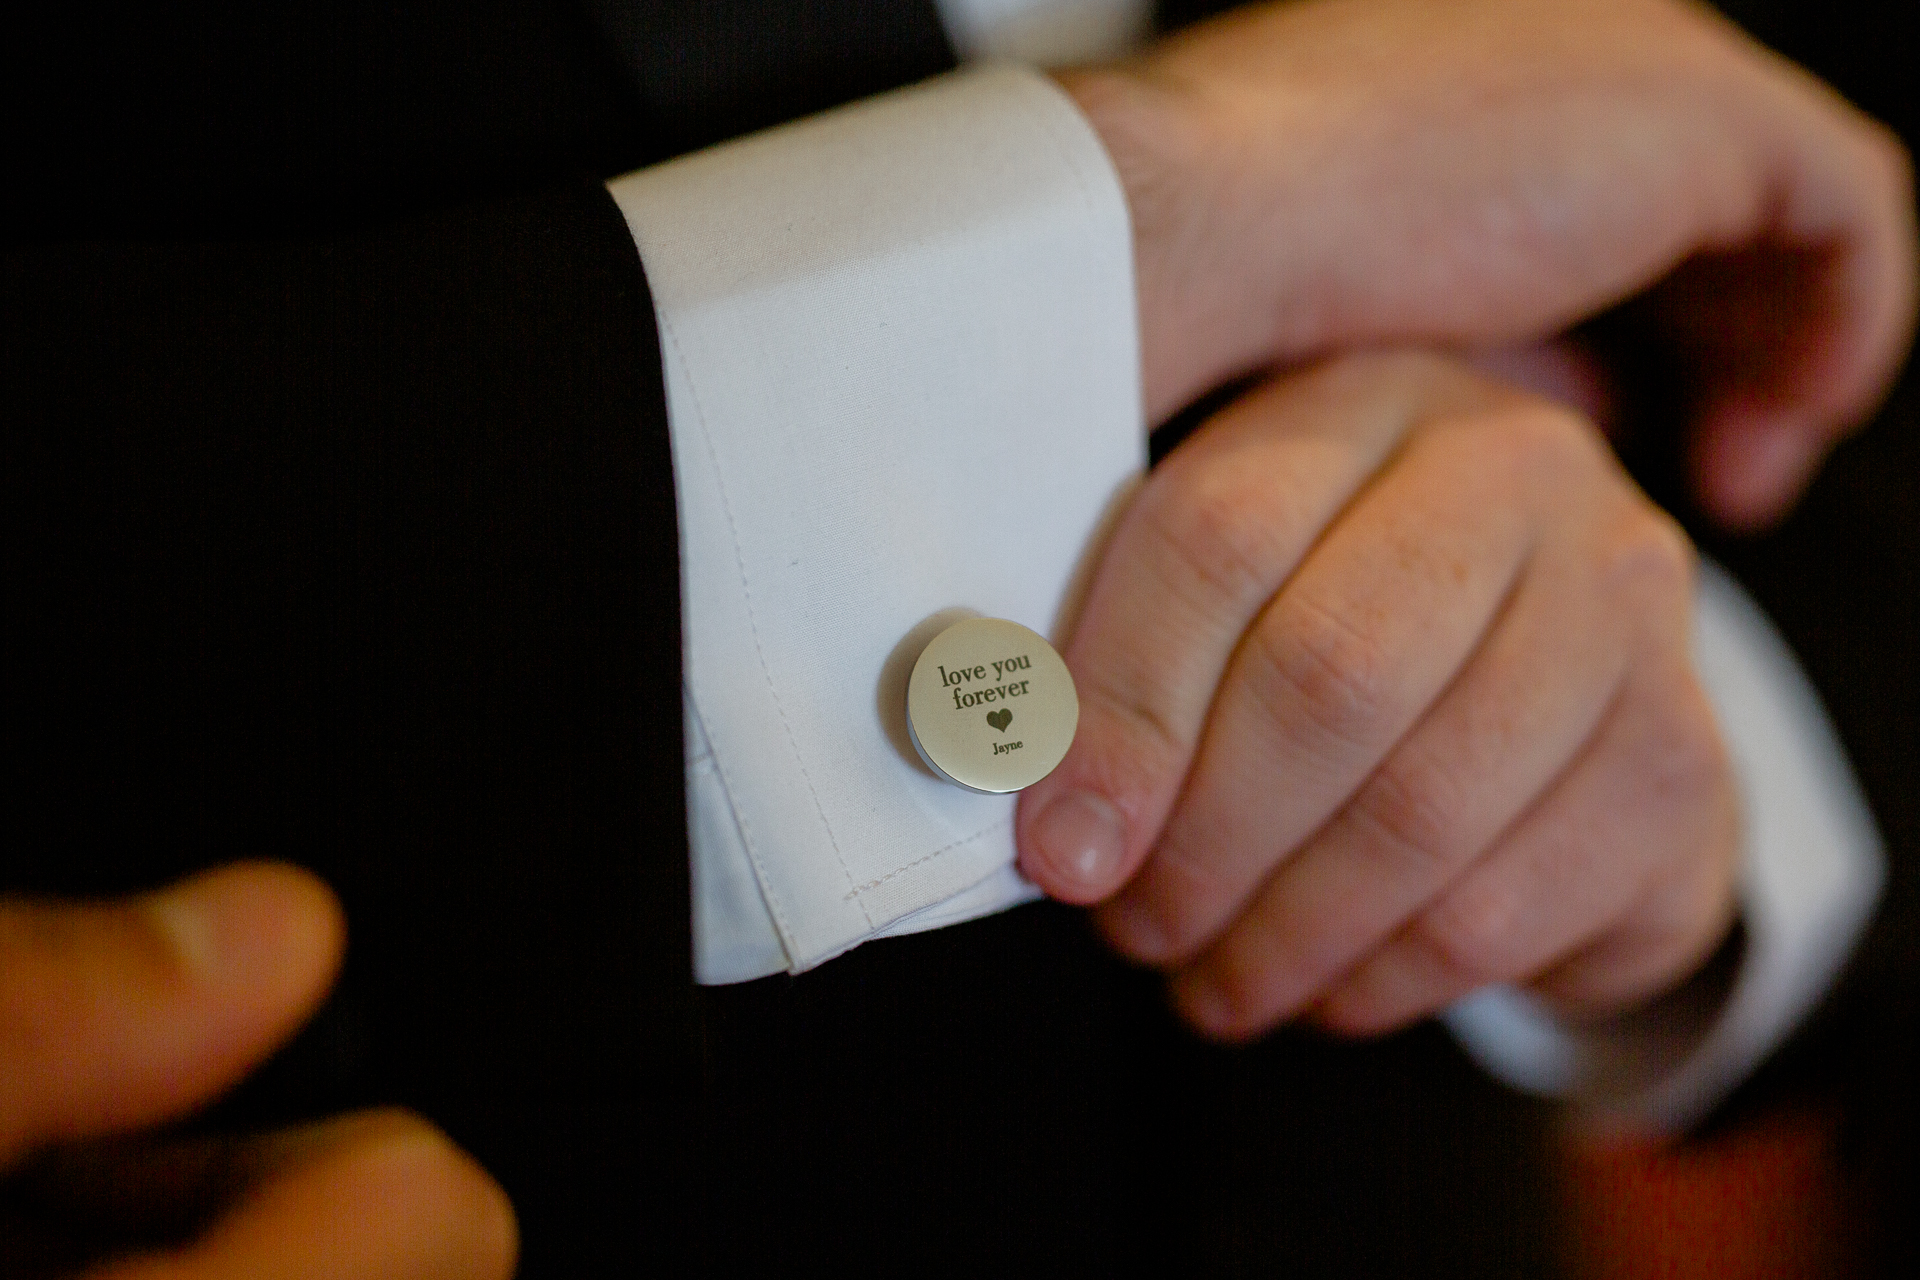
(204, 923)
(1083, 838)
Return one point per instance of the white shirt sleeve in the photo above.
(1811, 870)
(903, 379)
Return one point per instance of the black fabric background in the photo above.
(338, 528)
(343, 553)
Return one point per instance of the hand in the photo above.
(1309, 177)
(1386, 695)
(116, 1017)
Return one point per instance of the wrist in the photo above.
(1202, 322)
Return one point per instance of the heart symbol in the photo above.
(1000, 719)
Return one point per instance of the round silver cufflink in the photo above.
(990, 706)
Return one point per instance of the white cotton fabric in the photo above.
(902, 378)
(1047, 33)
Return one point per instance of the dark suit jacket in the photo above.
(338, 527)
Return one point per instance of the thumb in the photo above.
(117, 1015)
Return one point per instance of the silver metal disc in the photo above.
(991, 706)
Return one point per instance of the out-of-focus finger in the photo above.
(1751, 468)
(1212, 536)
(123, 1014)
(1634, 844)
(1663, 939)
(1384, 616)
(374, 1196)
(1796, 336)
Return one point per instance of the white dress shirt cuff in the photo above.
(1046, 33)
(903, 380)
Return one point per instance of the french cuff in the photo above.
(903, 380)
(1811, 871)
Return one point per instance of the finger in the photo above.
(118, 1015)
(1522, 710)
(1750, 467)
(1602, 147)
(1214, 533)
(1796, 336)
(374, 1196)
(1667, 935)
(1561, 369)
(1365, 639)
(1631, 853)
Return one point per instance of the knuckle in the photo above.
(1413, 817)
(1648, 559)
(1545, 432)
(1193, 898)
(1536, 442)
(1890, 157)
(1138, 735)
(1470, 936)
(1219, 527)
(1687, 760)
(1313, 663)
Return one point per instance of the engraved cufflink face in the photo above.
(991, 706)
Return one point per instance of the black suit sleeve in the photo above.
(360, 554)
(338, 527)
